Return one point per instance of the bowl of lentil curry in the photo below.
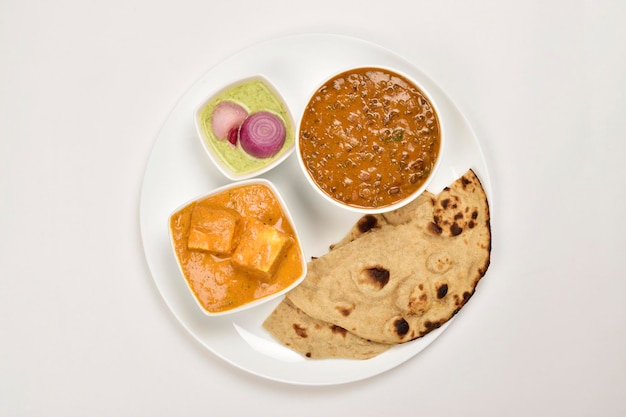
(370, 139)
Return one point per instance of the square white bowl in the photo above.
(215, 147)
(288, 217)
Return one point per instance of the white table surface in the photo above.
(84, 90)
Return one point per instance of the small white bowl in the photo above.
(254, 94)
(415, 193)
(287, 216)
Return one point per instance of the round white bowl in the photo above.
(409, 198)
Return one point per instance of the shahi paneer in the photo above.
(236, 246)
(369, 137)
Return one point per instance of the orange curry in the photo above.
(369, 137)
(236, 247)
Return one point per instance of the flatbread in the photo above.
(317, 339)
(394, 277)
(374, 222)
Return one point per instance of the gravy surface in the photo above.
(216, 282)
(369, 137)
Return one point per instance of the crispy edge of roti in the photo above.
(317, 339)
(443, 219)
(370, 223)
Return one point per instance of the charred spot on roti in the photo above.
(432, 325)
(367, 223)
(338, 330)
(483, 269)
(457, 300)
(300, 331)
(419, 301)
(376, 277)
(344, 310)
(455, 229)
(401, 326)
(449, 215)
(434, 228)
(442, 290)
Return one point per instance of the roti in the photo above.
(318, 339)
(397, 276)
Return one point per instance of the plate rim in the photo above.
(318, 37)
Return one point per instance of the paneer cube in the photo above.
(261, 249)
(214, 230)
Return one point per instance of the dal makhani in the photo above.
(369, 138)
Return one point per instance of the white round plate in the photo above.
(179, 169)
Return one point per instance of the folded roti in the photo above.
(396, 276)
(318, 339)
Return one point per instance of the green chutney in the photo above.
(253, 95)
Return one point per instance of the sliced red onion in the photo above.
(226, 117)
(233, 135)
(262, 134)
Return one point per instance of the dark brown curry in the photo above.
(369, 137)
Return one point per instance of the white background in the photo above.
(85, 87)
